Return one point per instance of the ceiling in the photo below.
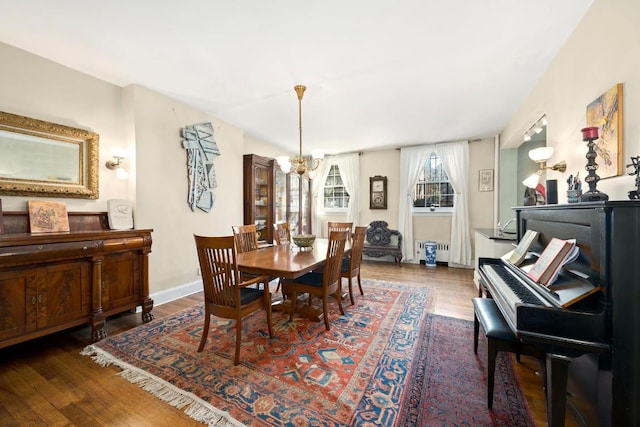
(379, 74)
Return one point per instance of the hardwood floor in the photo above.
(46, 382)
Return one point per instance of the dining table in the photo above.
(286, 260)
(289, 262)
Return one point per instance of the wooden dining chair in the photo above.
(351, 264)
(322, 284)
(225, 295)
(246, 237)
(281, 233)
(339, 226)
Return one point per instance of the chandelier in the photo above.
(298, 163)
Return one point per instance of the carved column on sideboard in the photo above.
(97, 315)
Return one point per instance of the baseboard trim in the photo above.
(178, 292)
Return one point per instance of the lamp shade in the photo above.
(284, 163)
(532, 181)
(121, 173)
(541, 154)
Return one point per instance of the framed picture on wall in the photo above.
(485, 183)
(378, 192)
(605, 113)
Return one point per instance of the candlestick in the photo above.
(590, 134)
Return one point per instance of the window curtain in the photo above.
(349, 165)
(455, 159)
(317, 193)
(412, 161)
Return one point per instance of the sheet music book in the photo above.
(518, 255)
(557, 253)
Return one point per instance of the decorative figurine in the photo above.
(635, 194)
(593, 195)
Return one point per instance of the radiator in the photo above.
(442, 251)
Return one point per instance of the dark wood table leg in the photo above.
(302, 305)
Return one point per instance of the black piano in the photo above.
(592, 342)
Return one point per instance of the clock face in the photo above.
(378, 199)
(377, 186)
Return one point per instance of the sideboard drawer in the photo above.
(13, 255)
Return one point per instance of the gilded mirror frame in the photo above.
(86, 144)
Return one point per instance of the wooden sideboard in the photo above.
(54, 281)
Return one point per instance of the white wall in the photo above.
(603, 50)
(147, 125)
(38, 88)
(162, 185)
(383, 163)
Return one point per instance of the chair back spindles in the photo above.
(246, 237)
(282, 233)
(322, 284)
(339, 226)
(218, 267)
(357, 244)
(351, 266)
(225, 294)
(331, 275)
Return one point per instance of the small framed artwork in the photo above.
(48, 217)
(120, 214)
(485, 183)
(378, 192)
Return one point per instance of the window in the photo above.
(335, 195)
(433, 187)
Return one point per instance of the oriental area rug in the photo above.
(386, 362)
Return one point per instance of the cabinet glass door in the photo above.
(280, 207)
(294, 204)
(261, 201)
(305, 197)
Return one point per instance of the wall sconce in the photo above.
(540, 156)
(118, 166)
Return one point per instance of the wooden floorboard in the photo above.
(46, 382)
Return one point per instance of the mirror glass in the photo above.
(39, 158)
(515, 166)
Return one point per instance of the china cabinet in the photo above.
(272, 196)
(293, 201)
(258, 183)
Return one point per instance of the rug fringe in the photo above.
(191, 404)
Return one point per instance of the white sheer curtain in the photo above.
(412, 161)
(349, 165)
(317, 185)
(455, 159)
